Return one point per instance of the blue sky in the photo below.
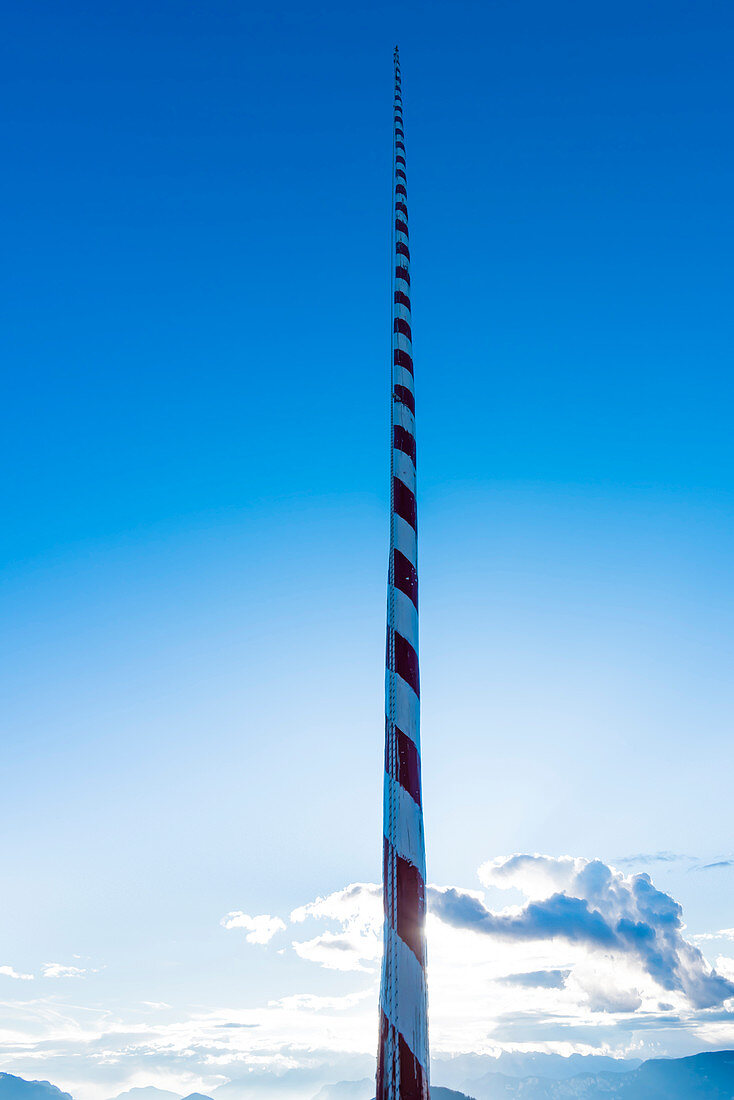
(196, 210)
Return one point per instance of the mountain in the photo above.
(709, 1076)
(556, 1067)
(437, 1093)
(347, 1090)
(148, 1092)
(704, 1075)
(16, 1088)
(461, 1070)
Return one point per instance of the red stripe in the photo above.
(402, 208)
(385, 1071)
(407, 770)
(400, 159)
(406, 661)
(399, 145)
(402, 273)
(404, 441)
(411, 906)
(400, 226)
(405, 576)
(400, 190)
(400, 173)
(402, 359)
(401, 299)
(413, 1083)
(404, 502)
(413, 1079)
(401, 326)
(403, 394)
(409, 766)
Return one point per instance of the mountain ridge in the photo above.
(705, 1076)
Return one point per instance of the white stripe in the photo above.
(403, 417)
(402, 311)
(403, 377)
(405, 619)
(407, 707)
(409, 1014)
(407, 824)
(402, 467)
(405, 539)
(400, 340)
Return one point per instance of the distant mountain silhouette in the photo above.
(437, 1093)
(347, 1090)
(16, 1088)
(555, 1066)
(147, 1092)
(709, 1076)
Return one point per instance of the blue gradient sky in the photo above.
(196, 207)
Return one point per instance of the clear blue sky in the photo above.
(195, 306)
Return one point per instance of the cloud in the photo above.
(718, 863)
(259, 929)
(11, 972)
(359, 903)
(58, 970)
(725, 966)
(575, 966)
(722, 934)
(538, 979)
(358, 944)
(336, 952)
(586, 902)
(310, 1002)
(653, 857)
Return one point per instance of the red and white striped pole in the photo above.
(402, 1060)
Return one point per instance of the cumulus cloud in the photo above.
(358, 944)
(722, 934)
(358, 904)
(11, 972)
(538, 979)
(259, 929)
(585, 901)
(58, 970)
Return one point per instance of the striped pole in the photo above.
(402, 1060)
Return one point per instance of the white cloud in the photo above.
(11, 972)
(358, 945)
(359, 904)
(534, 976)
(536, 876)
(310, 1002)
(585, 902)
(259, 929)
(722, 934)
(725, 966)
(58, 970)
